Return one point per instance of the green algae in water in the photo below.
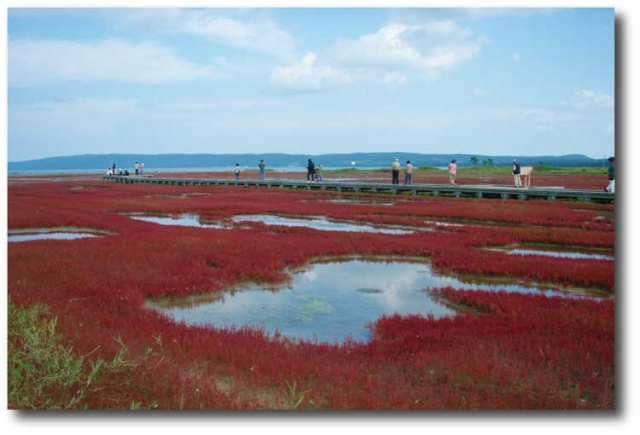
(369, 290)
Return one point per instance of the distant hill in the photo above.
(362, 160)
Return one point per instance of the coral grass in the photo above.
(501, 351)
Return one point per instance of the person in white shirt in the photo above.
(408, 173)
(395, 172)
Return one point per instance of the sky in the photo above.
(486, 81)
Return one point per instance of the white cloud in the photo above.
(390, 56)
(34, 62)
(86, 114)
(243, 29)
(264, 36)
(309, 75)
(429, 48)
(588, 98)
(395, 77)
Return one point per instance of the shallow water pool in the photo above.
(329, 301)
(321, 223)
(183, 220)
(48, 236)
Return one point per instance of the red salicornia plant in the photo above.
(500, 351)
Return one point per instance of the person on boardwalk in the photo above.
(311, 171)
(453, 170)
(408, 173)
(611, 175)
(319, 172)
(262, 174)
(395, 172)
(516, 174)
(137, 167)
(237, 171)
(141, 168)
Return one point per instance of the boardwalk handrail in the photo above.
(458, 190)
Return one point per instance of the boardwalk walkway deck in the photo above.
(475, 191)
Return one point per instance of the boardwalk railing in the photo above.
(475, 191)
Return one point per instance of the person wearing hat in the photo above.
(395, 172)
(611, 174)
(516, 173)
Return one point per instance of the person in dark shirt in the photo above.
(611, 174)
(311, 171)
(516, 173)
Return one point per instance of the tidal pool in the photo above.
(322, 224)
(183, 220)
(47, 236)
(329, 301)
(358, 201)
(62, 233)
(559, 252)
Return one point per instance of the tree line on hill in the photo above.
(281, 160)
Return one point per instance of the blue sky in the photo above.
(490, 81)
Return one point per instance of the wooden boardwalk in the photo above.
(458, 191)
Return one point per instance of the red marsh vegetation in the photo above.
(500, 351)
